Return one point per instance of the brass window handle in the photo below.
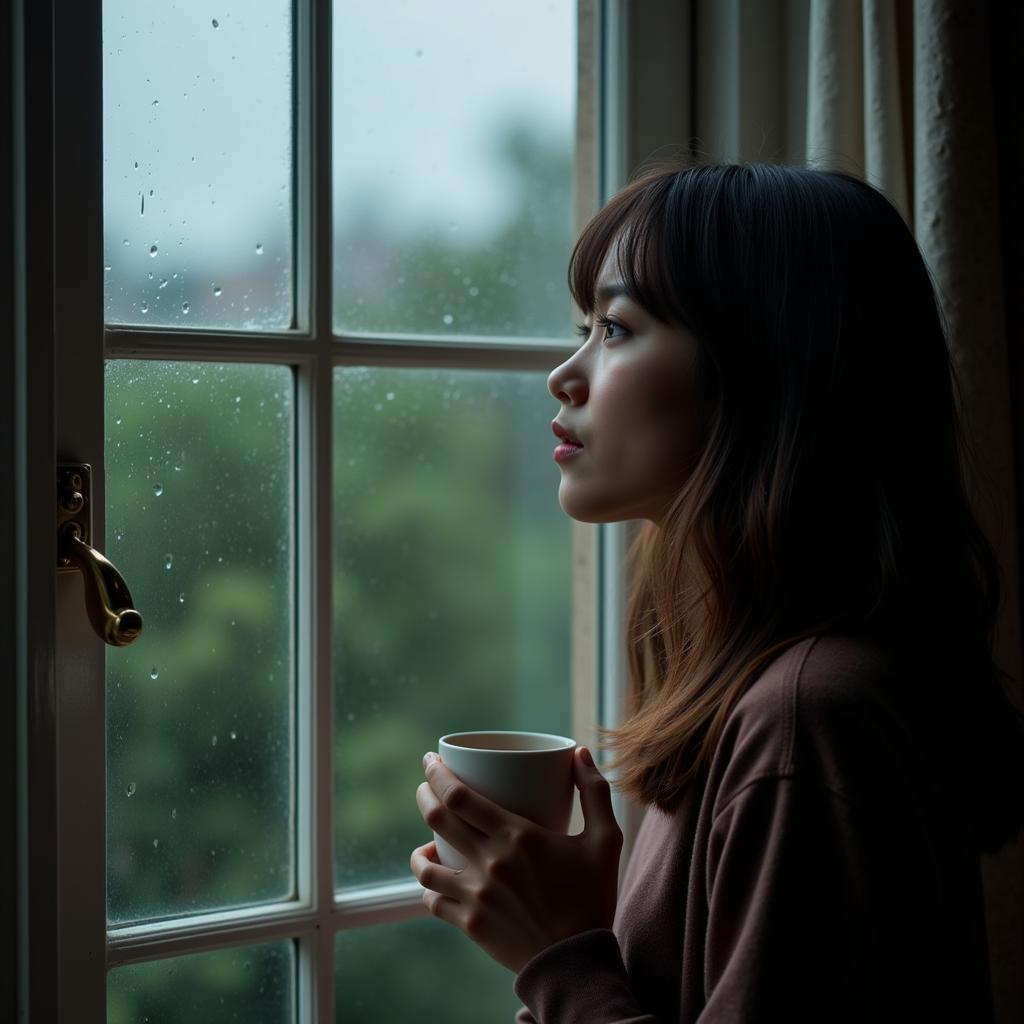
(108, 601)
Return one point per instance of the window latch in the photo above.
(108, 603)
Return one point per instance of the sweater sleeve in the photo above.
(789, 909)
(580, 980)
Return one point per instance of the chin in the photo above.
(596, 511)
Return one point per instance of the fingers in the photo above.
(483, 814)
(445, 822)
(432, 875)
(595, 797)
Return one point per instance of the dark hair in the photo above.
(830, 495)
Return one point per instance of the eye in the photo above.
(608, 326)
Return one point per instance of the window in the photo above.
(325, 478)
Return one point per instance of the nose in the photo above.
(567, 383)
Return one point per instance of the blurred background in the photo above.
(453, 135)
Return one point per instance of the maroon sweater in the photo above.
(820, 871)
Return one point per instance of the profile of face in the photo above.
(629, 399)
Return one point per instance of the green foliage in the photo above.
(450, 588)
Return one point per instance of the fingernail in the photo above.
(586, 757)
(429, 758)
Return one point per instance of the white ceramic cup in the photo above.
(528, 773)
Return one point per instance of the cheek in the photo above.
(656, 408)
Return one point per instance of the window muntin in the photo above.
(311, 921)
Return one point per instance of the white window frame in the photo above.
(63, 948)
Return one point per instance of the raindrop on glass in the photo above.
(142, 207)
(184, 307)
(163, 282)
(181, 599)
(156, 843)
(213, 742)
(154, 672)
(117, 421)
(144, 307)
(448, 319)
(234, 735)
(195, 380)
(131, 789)
(174, 814)
(217, 290)
(215, 23)
(390, 396)
(158, 489)
(168, 561)
(259, 248)
(152, 250)
(126, 242)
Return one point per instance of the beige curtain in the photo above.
(900, 92)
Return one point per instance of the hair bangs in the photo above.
(635, 223)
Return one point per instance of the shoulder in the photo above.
(820, 709)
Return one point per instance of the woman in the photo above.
(817, 727)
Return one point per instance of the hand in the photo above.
(524, 887)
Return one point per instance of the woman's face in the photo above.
(629, 398)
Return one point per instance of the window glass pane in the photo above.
(451, 587)
(255, 984)
(442, 977)
(200, 790)
(197, 157)
(454, 131)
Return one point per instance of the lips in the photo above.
(564, 434)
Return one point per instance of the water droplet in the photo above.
(152, 250)
(174, 814)
(117, 421)
(126, 242)
(181, 599)
(215, 23)
(131, 789)
(234, 735)
(238, 399)
(213, 742)
(163, 282)
(156, 843)
(259, 248)
(419, 53)
(195, 380)
(390, 396)
(136, 165)
(142, 207)
(184, 307)
(474, 291)
(168, 560)
(156, 103)
(158, 489)
(448, 319)
(154, 672)
(144, 307)
(217, 290)
(351, 717)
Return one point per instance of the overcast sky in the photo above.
(197, 125)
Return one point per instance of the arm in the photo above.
(789, 910)
(538, 902)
